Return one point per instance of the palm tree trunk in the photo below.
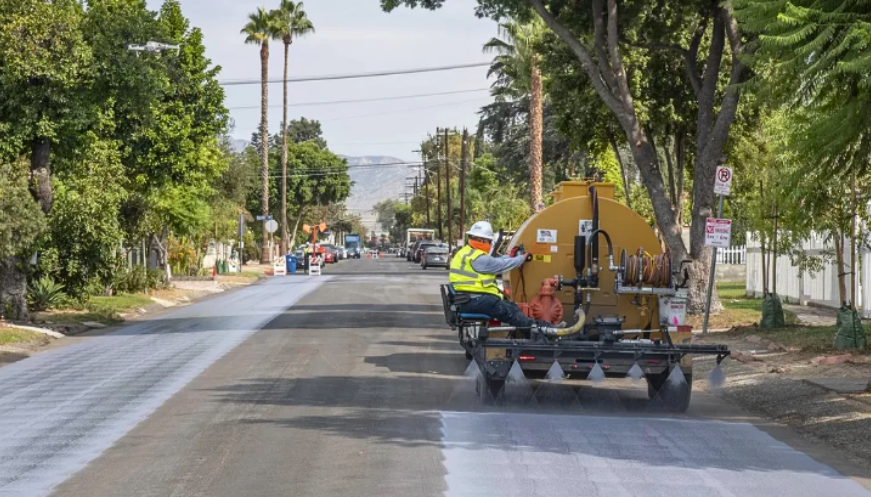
(535, 129)
(284, 159)
(265, 256)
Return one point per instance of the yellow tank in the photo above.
(550, 236)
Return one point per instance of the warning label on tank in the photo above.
(585, 227)
(546, 236)
(541, 258)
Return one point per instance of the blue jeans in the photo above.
(502, 310)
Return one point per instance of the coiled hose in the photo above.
(645, 270)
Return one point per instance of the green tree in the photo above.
(304, 130)
(44, 67)
(519, 75)
(81, 248)
(259, 30)
(597, 33)
(813, 56)
(291, 22)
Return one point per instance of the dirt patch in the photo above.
(775, 385)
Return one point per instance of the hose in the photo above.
(566, 332)
(645, 270)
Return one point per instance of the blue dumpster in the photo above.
(290, 261)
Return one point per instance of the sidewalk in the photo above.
(810, 315)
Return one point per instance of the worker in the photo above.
(473, 271)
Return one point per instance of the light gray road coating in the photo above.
(531, 455)
(357, 390)
(60, 409)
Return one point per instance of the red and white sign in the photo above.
(718, 232)
(723, 181)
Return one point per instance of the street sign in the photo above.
(718, 232)
(723, 181)
(264, 218)
(271, 226)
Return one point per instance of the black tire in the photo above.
(674, 399)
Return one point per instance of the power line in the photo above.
(362, 100)
(331, 77)
(399, 111)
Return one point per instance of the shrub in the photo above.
(44, 293)
(156, 278)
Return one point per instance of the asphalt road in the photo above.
(351, 385)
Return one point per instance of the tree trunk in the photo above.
(40, 173)
(680, 158)
(13, 289)
(839, 258)
(265, 256)
(284, 158)
(672, 186)
(535, 130)
(162, 254)
(623, 176)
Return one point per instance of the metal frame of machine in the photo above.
(593, 339)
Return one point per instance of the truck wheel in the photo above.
(675, 399)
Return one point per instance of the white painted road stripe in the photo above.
(61, 409)
(536, 455)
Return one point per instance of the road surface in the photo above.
(351, 385)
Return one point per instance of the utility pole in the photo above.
(463, 164)
(426, 183)
(448, 183)
(438, 185)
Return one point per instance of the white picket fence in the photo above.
(732, 255)
(817, 288)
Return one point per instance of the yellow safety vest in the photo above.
(464, 278)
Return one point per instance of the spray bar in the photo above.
(634, 348)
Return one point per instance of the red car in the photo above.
(329, 256)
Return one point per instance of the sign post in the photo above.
(718, 231)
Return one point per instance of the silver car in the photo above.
(438, 256)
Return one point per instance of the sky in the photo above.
(354, 36)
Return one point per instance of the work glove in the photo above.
(516, 251)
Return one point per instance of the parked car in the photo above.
(330, 255)
(436, 256)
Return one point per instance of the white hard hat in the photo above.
(481, 229)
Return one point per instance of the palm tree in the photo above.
(290, 21)
(259, 30)
(518, 76)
